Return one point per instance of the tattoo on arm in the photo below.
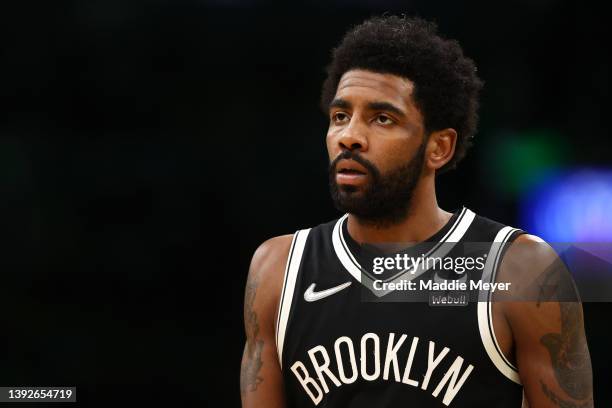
(557, 285)
(561, 403)
(549, 287)
(570, 358)
(251, 362)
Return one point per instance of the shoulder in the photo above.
(538, 276)
(533, 268)
(269, 261)
(532, 246)
(270, 254)
(529, 254)
(265, 279)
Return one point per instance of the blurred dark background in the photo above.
(148, 147)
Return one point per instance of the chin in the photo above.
(352, 189)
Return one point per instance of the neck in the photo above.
(423, 219)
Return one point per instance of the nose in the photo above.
(353, 137)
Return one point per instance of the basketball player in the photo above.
(321, 328)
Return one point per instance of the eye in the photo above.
(384, 120)
(340, 117)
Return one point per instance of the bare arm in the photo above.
(548, 329)
(261, 381)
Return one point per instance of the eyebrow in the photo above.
(381, 106)
(339, 103)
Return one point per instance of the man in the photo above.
(328, 317)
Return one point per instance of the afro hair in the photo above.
(446, 85)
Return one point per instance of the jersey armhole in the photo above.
(289, 280)
(485, 315)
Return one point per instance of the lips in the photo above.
(350, 167)
(349, 172)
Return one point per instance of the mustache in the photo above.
(350, 155)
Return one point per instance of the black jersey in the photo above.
(344, 340)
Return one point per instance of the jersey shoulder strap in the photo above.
(294, 260)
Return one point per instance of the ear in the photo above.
(440, 148)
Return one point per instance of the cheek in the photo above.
(390, 156)
(332, 144)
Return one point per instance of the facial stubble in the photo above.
(386, 199)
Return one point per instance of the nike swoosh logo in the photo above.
(311, 296)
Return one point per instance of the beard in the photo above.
(386, 199)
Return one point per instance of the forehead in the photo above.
(372, 86)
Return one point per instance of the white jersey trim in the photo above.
(485, 315)
(291, 271)
(454, 235)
